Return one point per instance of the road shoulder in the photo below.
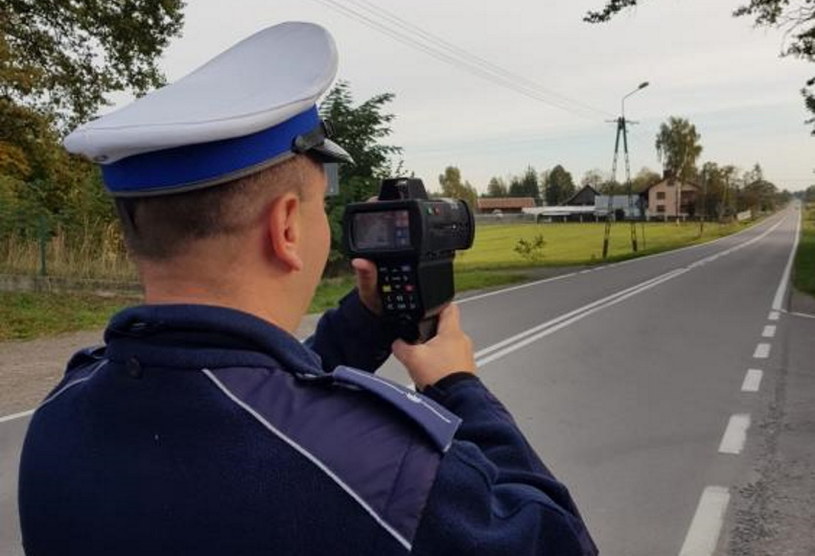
(775, 509)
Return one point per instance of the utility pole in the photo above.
(622, 131)
(704, 204)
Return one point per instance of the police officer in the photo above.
(202, 426)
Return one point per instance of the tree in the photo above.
(715, 182)
(515, 187)
(58, 59)
(526, 185)
(678, 148)
(452, 186)
(795, 17)
(559, 186)
(497, 188)
(593, 178)
(644, 179)
(61, 58)
(359, 129)
(758, 193)
(613, 187)
(755, 174)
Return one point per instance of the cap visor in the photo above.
(329, 151)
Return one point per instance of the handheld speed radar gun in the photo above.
(413, 241)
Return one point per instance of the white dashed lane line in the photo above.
(704, 530)
(752, 380)
(762, 351)
(735, 434)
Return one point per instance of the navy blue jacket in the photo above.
(203, 430)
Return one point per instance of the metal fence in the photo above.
(34, 242)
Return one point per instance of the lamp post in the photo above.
(641, 86)
(622, 130)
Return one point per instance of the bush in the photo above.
(531, 251)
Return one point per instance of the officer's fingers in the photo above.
(366, 283)
(449, 320)
(405, 352)
(366, 272)
(399, 351)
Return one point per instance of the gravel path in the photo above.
(30, 369)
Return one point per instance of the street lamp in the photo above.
(622, 130)
(641, 86)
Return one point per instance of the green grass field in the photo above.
(805, 258)
(492, 262)
(572, 244)
(27, 315)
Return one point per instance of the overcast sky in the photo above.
(703, 64)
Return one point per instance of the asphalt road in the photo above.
(640, 384)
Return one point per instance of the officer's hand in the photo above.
(366, 285)
(450, 351)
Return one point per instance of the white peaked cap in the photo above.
(249, 107)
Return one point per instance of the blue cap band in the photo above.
(199, 165)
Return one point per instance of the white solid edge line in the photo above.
(703, 534)
(762, 351)
(535, 333)
(16, 416)
(752, 380)
(735, 435)
(620, 263)
(568, 315)
(804, 315)
(778, 300)
(560, 277)
(560, 325)
(769, 331)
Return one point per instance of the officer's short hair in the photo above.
(158, 228)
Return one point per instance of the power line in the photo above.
(392, 25)
(481, 62)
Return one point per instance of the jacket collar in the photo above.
(204, 336)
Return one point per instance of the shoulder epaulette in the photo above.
(436, 420)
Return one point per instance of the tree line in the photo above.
(724, 188)
(59, 60)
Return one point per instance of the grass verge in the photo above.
(804, 278)
(24, 316)
(32, 314)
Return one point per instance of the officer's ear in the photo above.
(284, 226)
